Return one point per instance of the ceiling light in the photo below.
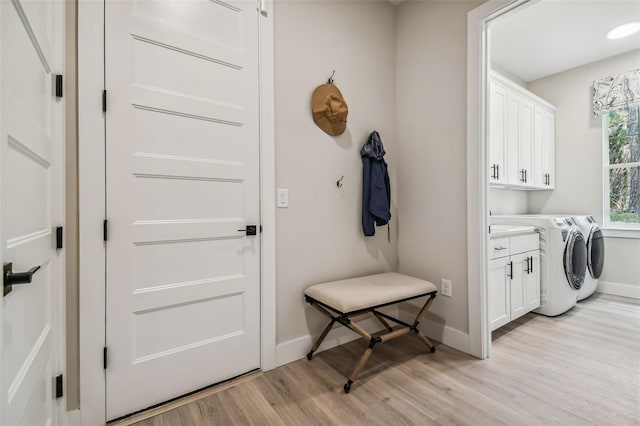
(624, 30)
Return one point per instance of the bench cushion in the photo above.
(366, 292)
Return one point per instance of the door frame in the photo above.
(58, 210)
(478, 167)
(91, 182)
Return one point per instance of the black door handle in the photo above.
(510, 274)
(250, 230)
(531, 267)
(11, 278)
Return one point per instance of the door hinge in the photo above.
(105, 228)
(58, 85)
(262, 7)
(59, 237)
(104, 101)
(59, 388)
(104, 358)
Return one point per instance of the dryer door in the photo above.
(575, 259)
(595, 250)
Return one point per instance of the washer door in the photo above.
(595, 250)
(575, 259)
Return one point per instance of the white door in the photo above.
(525, 162)
(532, 281)
(513, 138)
(182, 142)
(538, 174)
(31, 199)
(518, 296)
(549, 146)
(497, 136)
(498, 292)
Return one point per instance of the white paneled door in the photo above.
(30, 198)
(182, 152)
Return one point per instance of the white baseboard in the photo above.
(73, 418)
(442, 333)
(619, 289)
(295, 349)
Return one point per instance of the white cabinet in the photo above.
(514, 278)
(521, 137)
(543, 147)
(497, 132)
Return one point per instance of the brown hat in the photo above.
(329, 109)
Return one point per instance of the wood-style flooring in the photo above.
(580, 368)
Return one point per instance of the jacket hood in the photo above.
(373, 147)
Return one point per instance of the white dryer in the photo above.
(595, 254)
(563, 259)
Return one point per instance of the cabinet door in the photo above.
(517, 286)
(538, 174)
(513, 138)
(499, 295)
(525, 143)
(497, 129)
(549, 146)
(532, 281)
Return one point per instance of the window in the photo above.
(622, 168)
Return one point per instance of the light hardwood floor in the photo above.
(580, 368)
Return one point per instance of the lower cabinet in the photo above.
(514, 280)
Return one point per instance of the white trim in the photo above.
(619, 289)
(267, 190)
(59, 213)
(632, 233)
(295, 349)
(442, 333)
(92, 202)
(74, 418)
(479, 342)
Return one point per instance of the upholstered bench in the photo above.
(341, 300)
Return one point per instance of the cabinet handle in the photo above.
(531, 267)
(500, 248)
(493, 171)
(497, 171)
(510, 274)
(525, 175)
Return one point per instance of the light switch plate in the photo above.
(283, 198)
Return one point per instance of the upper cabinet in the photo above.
(521, 137)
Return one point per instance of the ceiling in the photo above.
(552, 36)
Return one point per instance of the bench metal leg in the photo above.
(389, 335)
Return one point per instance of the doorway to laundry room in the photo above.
(561, 178)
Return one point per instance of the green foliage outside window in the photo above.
(624, 150)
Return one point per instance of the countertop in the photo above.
(498, 231)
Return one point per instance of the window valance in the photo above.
(613, 93)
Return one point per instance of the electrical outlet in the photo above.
(446, 287)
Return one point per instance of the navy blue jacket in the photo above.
(376, 189)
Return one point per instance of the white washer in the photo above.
(563, 259)
(595, 254)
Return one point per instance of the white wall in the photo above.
(319, 237)
(507, 201)
(579, 158)
(431, 133)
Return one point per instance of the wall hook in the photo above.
(330, 81)
(339, 182)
